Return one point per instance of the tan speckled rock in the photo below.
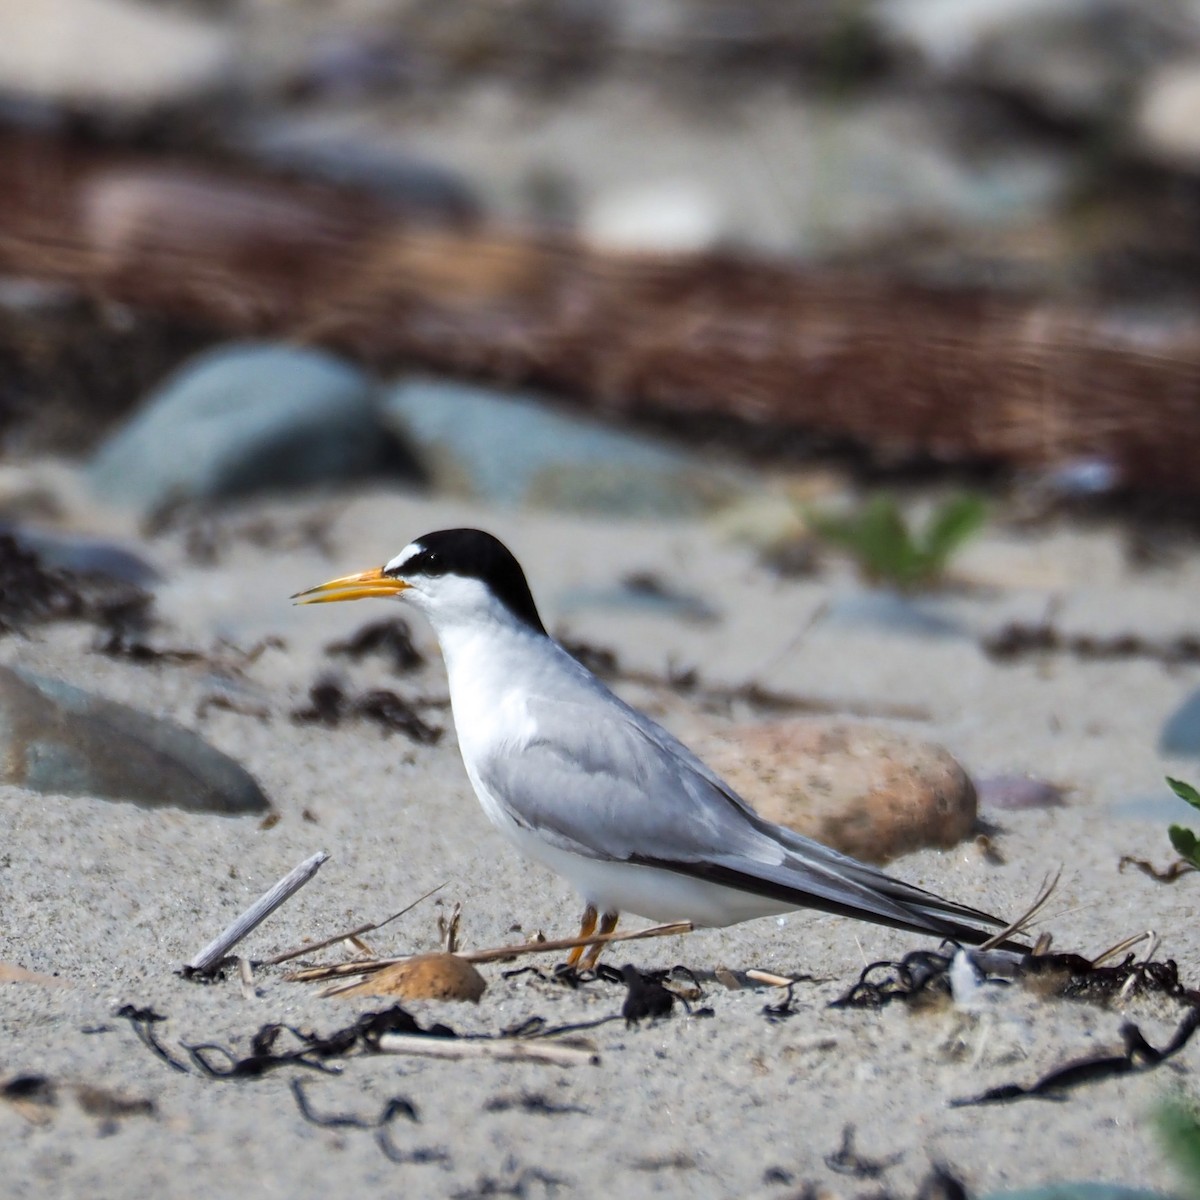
(863, 789)
(438, 976)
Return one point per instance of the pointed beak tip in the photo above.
(363, 586)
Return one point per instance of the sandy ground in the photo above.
(112, 898)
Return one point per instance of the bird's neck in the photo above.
(492, 669)
(482, 653)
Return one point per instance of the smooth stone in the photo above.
(311, 146)
(862, 789)
(1180, 736)
(510, 449)
(642, 598)
(1168, 115)
(82, 554)
(1015, 792)
(244, 418)
(58, 738)
(667, 217)
(1163, 807)
(906, 616)
(119, 54)
(1080, 478)
(1079, 1191)
(1070, 58)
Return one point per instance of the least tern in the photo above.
(597, 791)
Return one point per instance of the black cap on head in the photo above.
(474, 554)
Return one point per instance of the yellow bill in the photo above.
(363, 586)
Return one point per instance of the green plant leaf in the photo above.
(878, 537)
(1186, 844)
(952, 524)
(1179, 1131)
(885, 545)
(1184, 791)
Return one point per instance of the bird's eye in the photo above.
(427, 562)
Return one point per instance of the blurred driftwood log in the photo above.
(903, 370)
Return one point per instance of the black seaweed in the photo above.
(329, 705)
(1137, 1055)
(391, 638)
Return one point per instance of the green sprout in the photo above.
(1179, 1131)
(879, 538)
(1186, 843)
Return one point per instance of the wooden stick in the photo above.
(311, 947)
(599, 939)
(246, 977)
(498, 1049)
(218, 949)
(1123, 945)
(367, 966)
(769, 978)
(353, 966)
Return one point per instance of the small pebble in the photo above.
(1017, 792)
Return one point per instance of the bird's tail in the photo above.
(814, 876)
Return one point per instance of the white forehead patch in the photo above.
(409, 551)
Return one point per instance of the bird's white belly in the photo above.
(623, 887)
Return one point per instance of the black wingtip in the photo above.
(908, 916)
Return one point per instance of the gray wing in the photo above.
(610, 783)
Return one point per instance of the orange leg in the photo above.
(587, 926)
(608, 922)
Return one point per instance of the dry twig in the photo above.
(211, 957)
(770, 978)
(1023, 921)
(350, 934)
(562, 1054)
(497, 954)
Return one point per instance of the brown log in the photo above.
(956, 375)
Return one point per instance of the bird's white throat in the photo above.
(492, 665)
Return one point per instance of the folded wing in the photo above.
(612, 784)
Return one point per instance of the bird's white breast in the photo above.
(489, 673)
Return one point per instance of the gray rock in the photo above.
(891, 612)
(1016, 792)
(310, 146)
(1163, 807)
(642, 594)
(1181, 734)
(1168, 114)
(1072, 58)
(243, 418)
(82, 554)
(58, 738)
(1079, 1191)
(511, 449)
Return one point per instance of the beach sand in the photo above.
(111, 898)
